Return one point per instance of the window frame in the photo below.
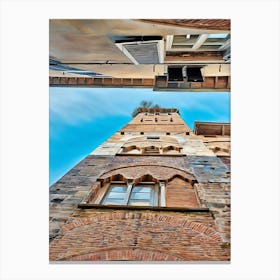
(95, 199)
(109, 191)
(155, 200)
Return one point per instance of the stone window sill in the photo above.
(151, 208)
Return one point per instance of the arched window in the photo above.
(131, 150)
(151, 150)
(145, 190)
(171, 149)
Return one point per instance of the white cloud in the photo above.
(72, 105)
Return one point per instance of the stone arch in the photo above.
(177, 176)
(219, 149)
(142, 144)
(145, 178)
(121, 177)
(152, 164)
(169, 139)
(136, 139)
(158, 172)
(151, 149)
(171, 148)
(163, 138)
(115, 177)
(131, 149)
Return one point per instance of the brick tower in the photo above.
(154, 191)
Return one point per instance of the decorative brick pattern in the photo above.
(157, 172)
(121, 254)
(175, 234)
(179, 163)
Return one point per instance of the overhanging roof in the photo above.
(212, 128)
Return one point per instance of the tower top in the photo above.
(156, 120)
(157, 110)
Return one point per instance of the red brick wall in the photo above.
(168, 161)
(139, 235)
(180, 193)
(126, 255)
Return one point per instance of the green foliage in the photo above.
(144, 104)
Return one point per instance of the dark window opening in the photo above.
(175, 74)
(194, 74)
(132, 38)
(57, 200)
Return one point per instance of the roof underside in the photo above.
(139, 49)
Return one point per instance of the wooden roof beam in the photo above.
(169, 42)
(199, 42)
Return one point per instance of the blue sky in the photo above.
(83, 118)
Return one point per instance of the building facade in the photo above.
(154, 191)
(170, 55)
